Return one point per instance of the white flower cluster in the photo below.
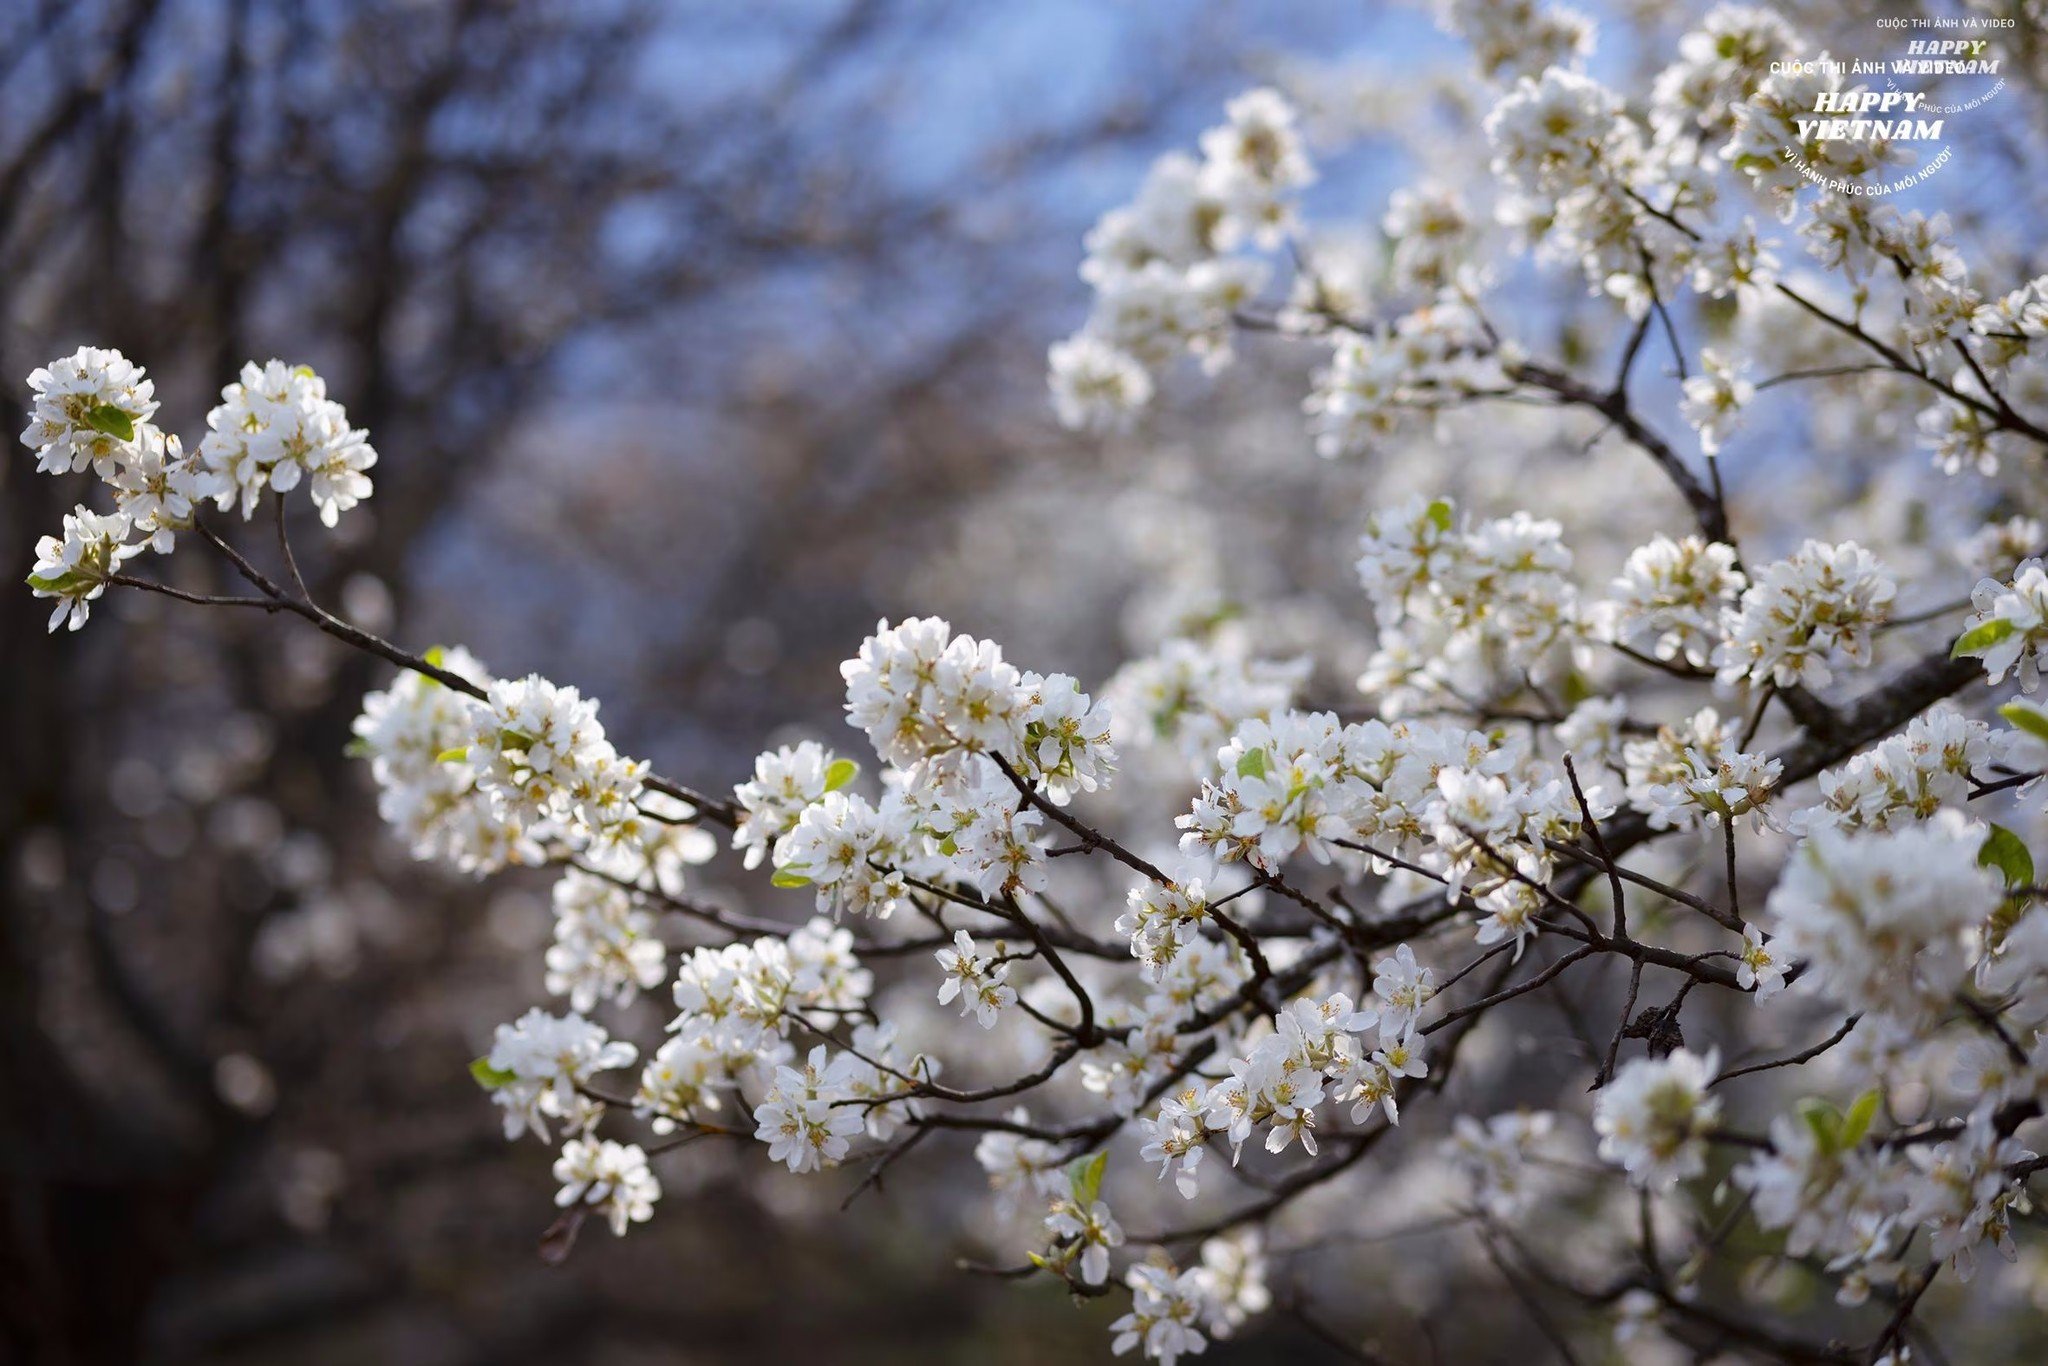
(746, 996)
(1164, 279)
(1583, 174)
(1859, 1202)
(922, 693)
(605, 947)
(1465, 613)
(1885, 921)
(1433, 232)
(1020, 1168)
(88, 407)
(1670, 596)
(978, 982)
(1162, 922)
(1653, 1117)
(415, 733)
(610, 1177)
(1997, 549)
(1497, 1157)
(1193, 695)
(92, 410)
(542, 759)
(75, 567)
(948, 715)
(1462, 801)
(1720, 64)
(1693, 772)
(786, 781)
(1309, 1056)
(1512, 38)
(538, 1066)
(277, 427)
(803, 1120)
(1907, 777)
(1171, 1310)
(1128, 1070)
(1378, 376)
(855, 853)
(2009, 625)
(1806, 616)
(1715, 398)
(1095, 386)
(810, 1115)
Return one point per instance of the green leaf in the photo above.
(489, 1077)
(358, 748)
(452, 756)
(1084, 1177)
(1440, 513)
(2027, 717)
(1252, 764)
(1857, 1122)
(1981, 637)
(115, 422)
(2008, 853)
(1825, 1121)
(839, 773)
(70, 581)
(788, 877)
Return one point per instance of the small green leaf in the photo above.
(788, 877)
(452, 756)
(2008, 853)
(115, 422)
(1440, 513)
(358, 748)
(1857, 1122)
(1981, 637)
(1825, 1121)
(839, 773)
(1252, 764)
(70, 581)
(1084, 1176)
(2027, 717)
(489, 1077)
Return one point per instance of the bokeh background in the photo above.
(694, 338)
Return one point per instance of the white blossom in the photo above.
(610, 1177)
(89, 409)
(1804, 617)
(974, 980)
(74, 569)
(1882, 920)
(277, 426)
(1653, 1116)
(802, 1119)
